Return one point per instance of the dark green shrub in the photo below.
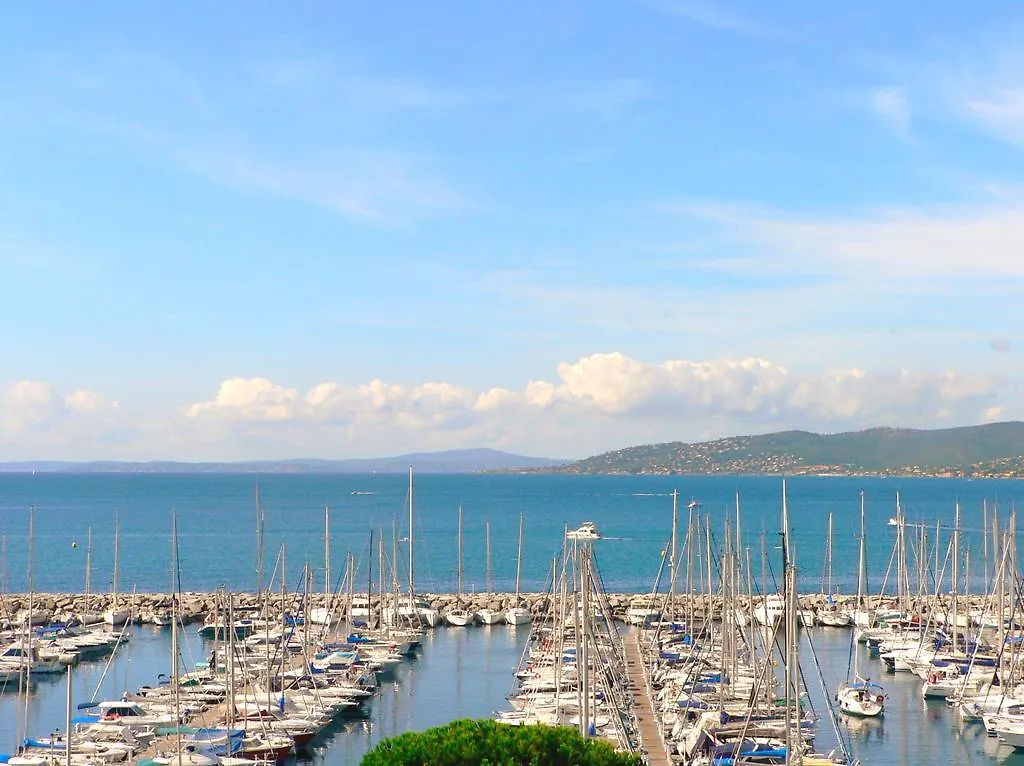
(488, 743)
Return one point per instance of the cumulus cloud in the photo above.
(598, 402)
(249, 399)
(609, 399)
(31, 406)
(27, 403)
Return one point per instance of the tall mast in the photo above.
(487, 555)
(984, 542)
(369, 576)
(956, 565)
(458, 558)
(412, 589)
(519, 557)
(327, 555)
(862, 561)
(117, 543)
(174, 632)
(675, 547)
(790, 624)
(828, 553)
(259, 543)
(88, 567)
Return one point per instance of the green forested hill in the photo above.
(995, 449)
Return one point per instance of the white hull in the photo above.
(117, 618)
(323, 616)
(861, 702)
(834, 619)
(518, 616)
(490, 617)
(458, 618)
(640, 616)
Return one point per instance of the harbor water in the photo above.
(468, 672)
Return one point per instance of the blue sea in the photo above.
(468, 672)
(218, 540)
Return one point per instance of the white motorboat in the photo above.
(586, 531)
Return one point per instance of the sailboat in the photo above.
(184, 754)
(415, 611)
(518, 614)
(830, 615)
(116, 617)
(488, 616)
(859, 696)
(458, 616)
(324, 615)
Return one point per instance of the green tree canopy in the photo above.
(488, 743)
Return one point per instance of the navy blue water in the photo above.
(468, 672)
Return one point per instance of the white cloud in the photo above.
(27, 403)
(604, 401)
(598, 402)
(974, 243)
(33, 414)
(249, 399)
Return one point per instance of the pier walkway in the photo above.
(650, 731)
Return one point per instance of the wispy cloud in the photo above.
(388, 189)
(898, 243)
(1001, 113)
(357, 87)
(610, 99)
(892, 106)
(711, 13)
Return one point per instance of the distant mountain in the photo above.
(995, 449)
(451, 461)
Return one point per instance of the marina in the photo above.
(719, 656)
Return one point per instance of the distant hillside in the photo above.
(995, 449)
(452, 461)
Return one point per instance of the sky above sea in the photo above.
(557, 228)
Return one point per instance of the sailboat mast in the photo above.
(174, 634)
(259, 543)
(369, 576)
(31, 606)
(790, 624)
(458, 556)
(862, 563)
(487, 556)
(828, 553)
(412, 589)
(117, 544)
(327, 555)
(88, 566)
(519, 558)
(675, 552)
(956, 568)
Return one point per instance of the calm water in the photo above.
(218, 540)
(468, 672)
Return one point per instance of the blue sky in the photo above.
(562, 227)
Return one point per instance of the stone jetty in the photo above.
(194, 606)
